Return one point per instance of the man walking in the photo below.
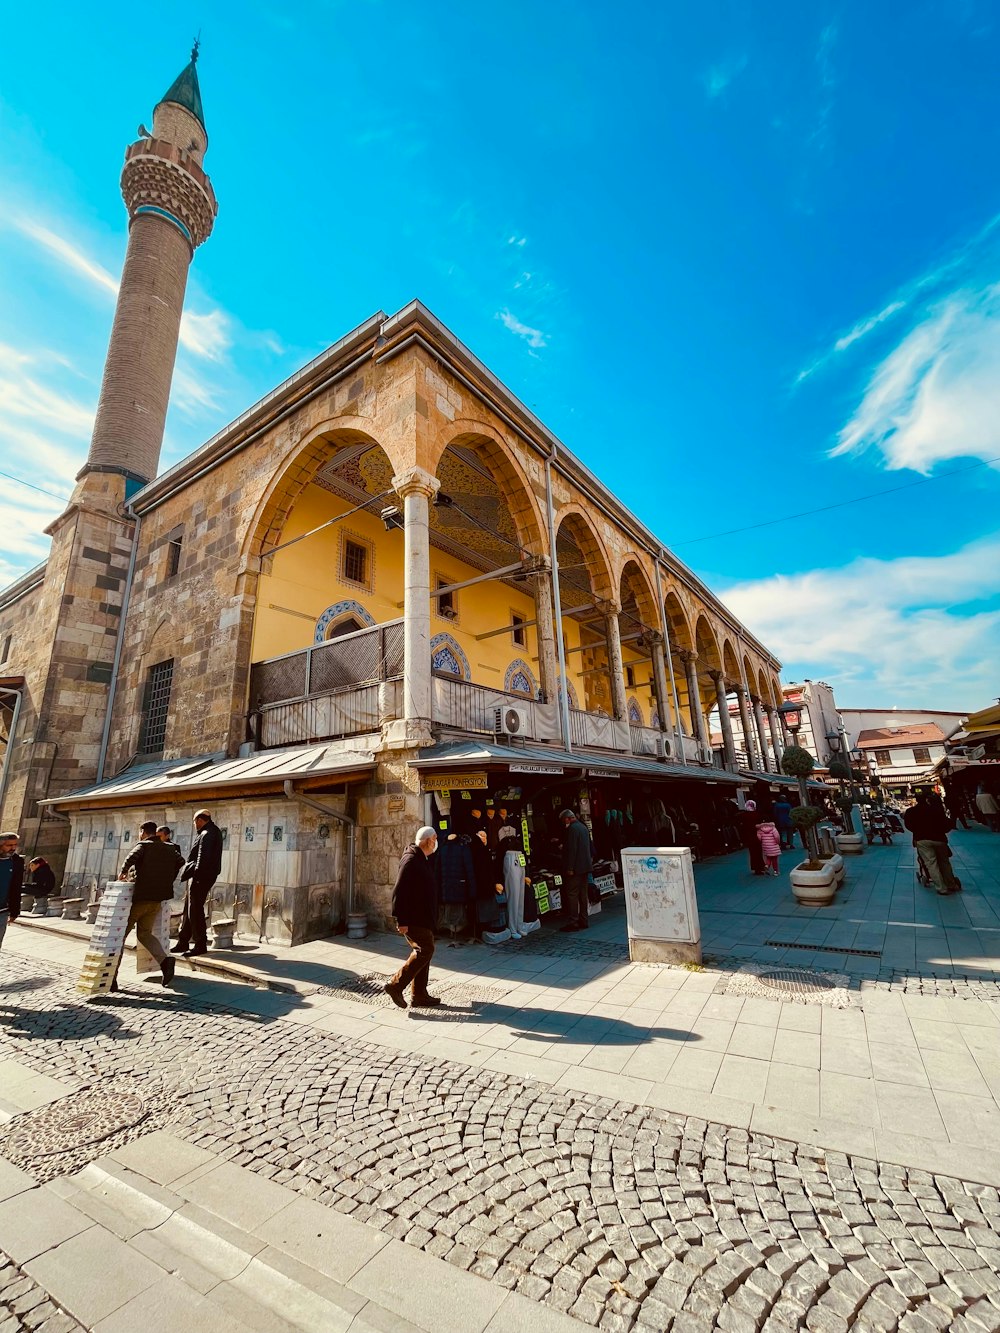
(154, 867)
(577, 864)
(413, 906)
(11, 879)
(201, 870)
(783, 819)
(930, 826)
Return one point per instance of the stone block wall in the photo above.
(283, 864)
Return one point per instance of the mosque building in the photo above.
(383, 594)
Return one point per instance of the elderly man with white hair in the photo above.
(413, 906)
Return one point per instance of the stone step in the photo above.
(236, 1275)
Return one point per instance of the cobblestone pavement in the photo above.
(24, 1306)
(623, 1216)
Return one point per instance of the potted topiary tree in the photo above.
(849, 843)
(814, 881)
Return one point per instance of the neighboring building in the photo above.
(819, 718)
(900, 756)
(857, 720)
(382, 591)
(972, 762)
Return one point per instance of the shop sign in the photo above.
(455, 781)
(602, 773)
(535, 768)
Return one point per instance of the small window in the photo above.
(355, 562)
(517, 630)
(447, 606)
(5, 652)
(921, 754)
(883, 758)
(173, 556)
(156, 707)
(630, 677)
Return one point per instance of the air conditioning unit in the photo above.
(664, 747)
(510, 721)
(706, 755)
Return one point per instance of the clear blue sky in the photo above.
(743, 260)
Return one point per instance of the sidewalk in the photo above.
(902, 1077)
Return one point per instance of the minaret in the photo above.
(69, 665)
(171, 208)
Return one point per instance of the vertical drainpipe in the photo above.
(679, 735)
(116, 663)
(557, 608)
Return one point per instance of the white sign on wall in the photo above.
(661, 904)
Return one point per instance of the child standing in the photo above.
(770, 845)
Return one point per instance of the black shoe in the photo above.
(179, 948)
(194, 953)
(425, 1002)
(114, 987)
(168, 967)
(395, 994)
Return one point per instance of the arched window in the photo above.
(635, 713)
(335, 620)
(519, 679)
(448, 658)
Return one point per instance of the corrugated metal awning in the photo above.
(186, 778)
(467, 754)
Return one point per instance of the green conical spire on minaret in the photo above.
(185, 90)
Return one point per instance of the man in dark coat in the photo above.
(201, 870)
(154, 866)
(413, 906)
(577, 864)
(749, 819)
(11, 880)
(929, 823)
(782, 808)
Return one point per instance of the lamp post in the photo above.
(791, 714)
(835, 740)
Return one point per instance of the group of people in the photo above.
(435, 878)
(153, 865)
(766, 835)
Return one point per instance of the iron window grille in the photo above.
(355, 562)
(156, 707)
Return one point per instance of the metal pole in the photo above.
(679, 735)
(12, 732)
(557, 608)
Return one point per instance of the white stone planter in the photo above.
(850, 844)
(814, 888)
(222, 932)
(357, 925)
(836, 861)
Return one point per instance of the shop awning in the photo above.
(189, 779)
(553, 762)
(780, 780)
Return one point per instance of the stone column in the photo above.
(548, 657)
(758, 713)
(776, 741)
(741, 699)
(660, 681)
(415, 486)
(690, 661)
(616, 670)
(725, 721)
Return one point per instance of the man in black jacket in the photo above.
(154, 866)
(414, 907)
(11, 880)
(930, 826)
(201, 870)
(577, 864)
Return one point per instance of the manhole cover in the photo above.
(81, 1118)
(793, 982)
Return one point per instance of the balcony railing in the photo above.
(355, 711)
(463, 706)
(363, 658)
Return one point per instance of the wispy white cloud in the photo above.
(535, 338)
(903, 631)
(718, 77)
(67, 253)
(936, 395)
(519, 241)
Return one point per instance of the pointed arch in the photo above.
(520, 679)
(635, 713)
(447, 657)
(338, 611)
(730, 663)
(677, 621)
(586, 559)
(515, 491)
(635, 594)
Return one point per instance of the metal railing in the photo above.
(362, 658)
(468, 707)
(355, 711)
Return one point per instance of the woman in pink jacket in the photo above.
(770, 845)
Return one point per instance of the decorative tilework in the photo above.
(447, 656)
(519, 679)
(635, 713)
(337, 612)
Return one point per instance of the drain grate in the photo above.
(78, 1119)
(822, 948)
(794, 981)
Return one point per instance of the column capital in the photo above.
(715, 675)
(538, 565)
(415, 481)
(738, 689)
(653, 637)
(688, 657)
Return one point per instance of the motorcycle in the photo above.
(879, 828)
